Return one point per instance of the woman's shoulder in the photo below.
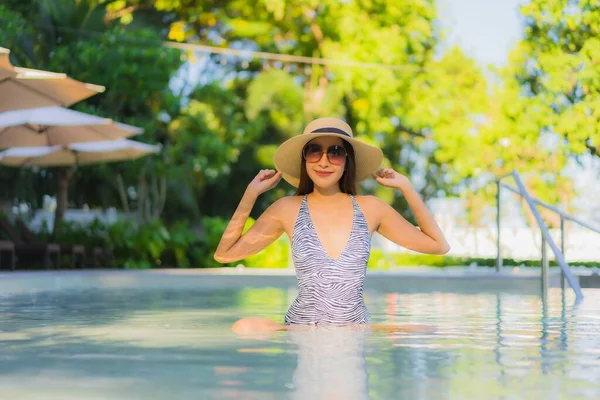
(369, 200)
(287, 203)
(290, 199)
(370, 204)
(286, 209)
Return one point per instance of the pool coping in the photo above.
(412, 272)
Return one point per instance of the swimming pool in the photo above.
(165, 335)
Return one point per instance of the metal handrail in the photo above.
(546, 237)
(556, 210)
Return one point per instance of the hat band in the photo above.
(330, 130)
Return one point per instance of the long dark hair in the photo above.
(347, 182)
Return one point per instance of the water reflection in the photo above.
(330, 363)
(492, 344)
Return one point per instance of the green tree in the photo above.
(405, 107)
(559, 66)
(545, 110)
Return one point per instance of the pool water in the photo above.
(120, 335)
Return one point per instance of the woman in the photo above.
(329, 226)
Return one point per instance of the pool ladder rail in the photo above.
(546, 237)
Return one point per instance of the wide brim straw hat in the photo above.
(288, 156)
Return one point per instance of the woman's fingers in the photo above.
(387, 172)
(262, 174)
(384, 172)
(274, 179)
(264, 180)
(269, 173)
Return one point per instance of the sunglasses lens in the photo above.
(312, 152)
(336, 155)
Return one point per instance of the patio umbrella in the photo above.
(49, 126)
(74, 154)
(30, 88)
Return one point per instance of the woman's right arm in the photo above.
(233, 245)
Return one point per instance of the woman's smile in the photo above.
(323, 174)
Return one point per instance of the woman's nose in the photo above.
(323, 161)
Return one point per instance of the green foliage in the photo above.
(137, 264)
(181, 242)
(148, 245)
(147, 241)
(89, 235)
(213, 230)
(396, 106)
(558, 64)
(380, 260)
(15, 29)
(276, 93)
(429, 260)
(202, 143)
(137, 76)
(432, 260)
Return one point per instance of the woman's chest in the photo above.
(332, 224)
(343, 239)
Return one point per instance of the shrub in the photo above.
(411, 259)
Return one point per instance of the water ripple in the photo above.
(175, 341)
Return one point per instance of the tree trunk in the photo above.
(64, 175)
(122, 193)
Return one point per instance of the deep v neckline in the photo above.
(317, 234)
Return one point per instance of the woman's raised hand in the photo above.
(390, 178)
(265, 180)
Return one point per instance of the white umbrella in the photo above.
(50, 126)
(30, 88)
(76, 153)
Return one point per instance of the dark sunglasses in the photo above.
(313, 152)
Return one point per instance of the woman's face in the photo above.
(323, 172)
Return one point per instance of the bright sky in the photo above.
(484, 29)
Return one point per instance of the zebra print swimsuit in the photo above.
(330, 290)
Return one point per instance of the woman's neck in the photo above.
(326, 193)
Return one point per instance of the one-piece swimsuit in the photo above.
(330, 290)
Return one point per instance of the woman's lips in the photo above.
(323, 173)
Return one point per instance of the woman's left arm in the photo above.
(429, 239)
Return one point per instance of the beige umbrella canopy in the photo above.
(74, 154)
(29, 88)
(50, 126)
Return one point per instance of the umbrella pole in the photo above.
(64, 175)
